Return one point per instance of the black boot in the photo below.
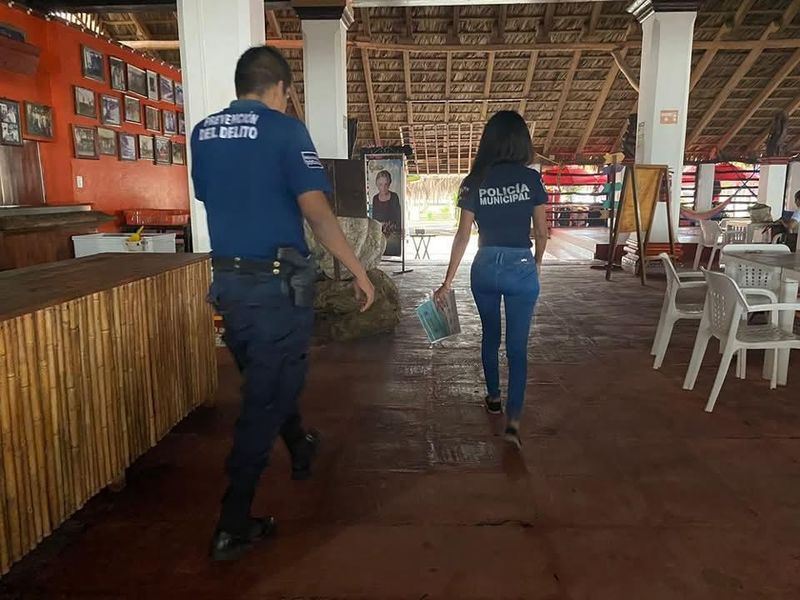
(303, 452)
(228, 546)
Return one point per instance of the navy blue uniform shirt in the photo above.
(503, 204)
(249, 165)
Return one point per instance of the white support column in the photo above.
(792, 185)
(325, 82)
(664, 94)
(213, 35)
(772, 188)
(704, 185)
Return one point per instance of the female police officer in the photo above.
(258, 174)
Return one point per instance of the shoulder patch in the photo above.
(312, 160)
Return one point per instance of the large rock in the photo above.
(366, 238)
(337, 311)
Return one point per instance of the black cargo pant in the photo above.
(269, 338)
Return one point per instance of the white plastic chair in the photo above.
(722, 318)
(711, 236)
(672, 310)
(735, 231)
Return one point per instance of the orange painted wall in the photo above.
(110, 185)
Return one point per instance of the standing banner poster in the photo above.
(386, 198)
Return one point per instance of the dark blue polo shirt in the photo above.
(503, 204)
(249, 165)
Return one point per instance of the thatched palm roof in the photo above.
(437, 72)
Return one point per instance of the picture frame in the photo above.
(85, 102)
(146, 148)
(181, 123)
(166, 89)
(178, 153)
(169, 122)
(92, 64)
(116, 68)
(137, 80)
(152, 85)
(178, 93)
(10, 123)
(127, 146)
(107, 142)
(84, 141)
(133, 110)
(110, 110)
(38, 121)
(152, 119)
(163, 151)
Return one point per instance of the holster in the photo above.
(299, 275)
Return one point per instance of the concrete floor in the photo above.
(625, 488)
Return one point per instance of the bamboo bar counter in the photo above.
(99, 358)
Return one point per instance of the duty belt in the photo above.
(247, 265)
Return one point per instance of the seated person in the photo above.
(786, 228)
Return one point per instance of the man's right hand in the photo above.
(365, 292)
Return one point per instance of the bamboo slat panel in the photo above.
(89, 383)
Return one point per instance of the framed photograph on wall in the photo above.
(178, 93)
(127, 146)
(38, 121)
(146, 148)
(10, 132)
(133, 110)
(117, 68)
(92, 64)
(137, 81)
(152, 85)
(152, 119)
(85, 140)
(178, 153)
(181, 123)
(163, 151)
(166, 89)
(107, 141)
(170, 122)
(85, 102)
(110, 110)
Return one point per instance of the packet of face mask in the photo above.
(439, 324)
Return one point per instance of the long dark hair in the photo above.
(505, 139)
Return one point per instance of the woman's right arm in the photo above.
(460, 242)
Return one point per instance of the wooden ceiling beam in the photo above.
(765, 93)
(407, 76)
(594, 19)
(731, 84)
(487, 85)
(272, 22)
(373, 114)
(562, 101)
(526, 90)
(546, 25)
(741, 12)
(790, 13)
(502, 18)
(448, 77)
(611, 77)
(454, 29)
(585, 46)
(707, 58)
(622, 65)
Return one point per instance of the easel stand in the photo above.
(642, 187)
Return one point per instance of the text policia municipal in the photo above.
(508, 194)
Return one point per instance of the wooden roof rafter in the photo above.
(562, 101)
(376, 133)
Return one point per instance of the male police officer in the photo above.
(258, 174)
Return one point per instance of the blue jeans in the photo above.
(509, 274)
(269, 338)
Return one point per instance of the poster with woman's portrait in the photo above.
(386, 186)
